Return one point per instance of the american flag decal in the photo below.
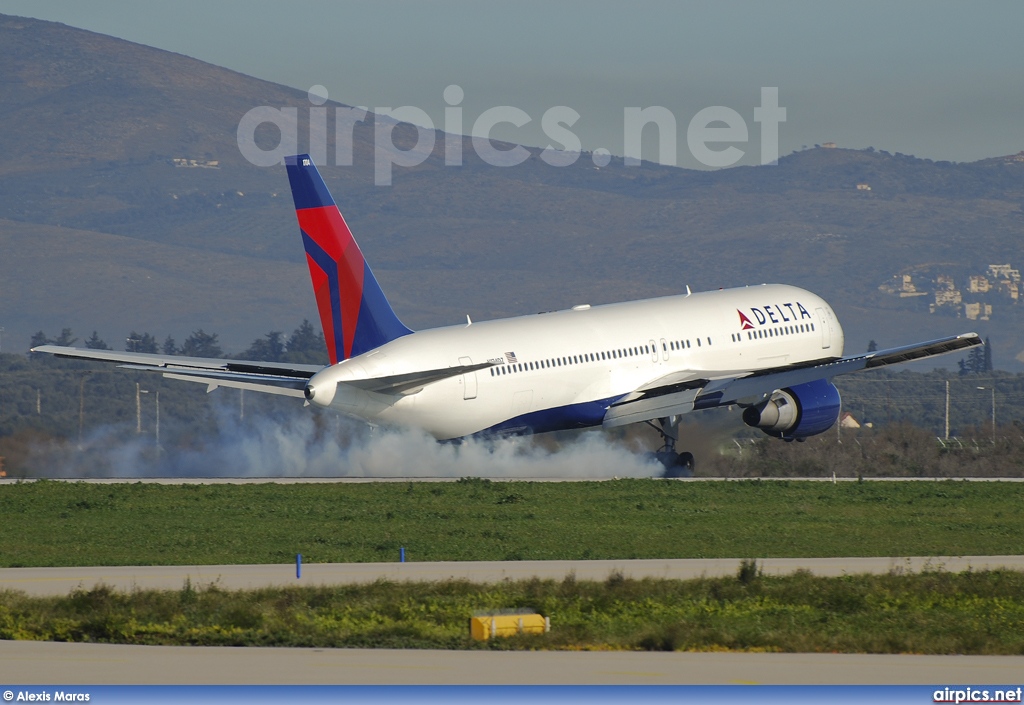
(511, 357)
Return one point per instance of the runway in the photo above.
(60, 581)
(46, 663)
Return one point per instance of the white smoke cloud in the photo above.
(303, 445)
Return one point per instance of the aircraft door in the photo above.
(664, 350)
(826, 329)
(468, 380)
(522, 402)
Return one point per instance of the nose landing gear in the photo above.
(675, 464)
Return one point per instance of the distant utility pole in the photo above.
(993, 390)
(138, 407)
(81, 406)
(158, 424)
(947, 409)
(993, 413)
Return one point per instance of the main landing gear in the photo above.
(675, 464)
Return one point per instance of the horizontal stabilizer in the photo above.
(215, 382)
(270, 377)
(151, 361)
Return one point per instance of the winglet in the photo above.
(354, 312)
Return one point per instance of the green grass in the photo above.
(934, 613)
(64, 524)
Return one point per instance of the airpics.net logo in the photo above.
(712, 134)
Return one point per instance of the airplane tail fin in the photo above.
(355, 315)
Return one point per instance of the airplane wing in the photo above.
(686, 391)
(280, 378)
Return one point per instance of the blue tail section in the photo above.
(354, 312)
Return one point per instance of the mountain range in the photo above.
(126, 204)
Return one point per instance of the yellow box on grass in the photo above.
(483, 627)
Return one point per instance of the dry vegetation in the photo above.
(931, 613)
(900, 450)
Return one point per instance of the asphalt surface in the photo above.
(60, 581)
(47, 663)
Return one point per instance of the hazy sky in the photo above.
(938, 79)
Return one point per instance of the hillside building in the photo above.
(946, 293)
(948, 297)
(1010, 288)
(980, 285)
(1004, 271)
(978, 311)
(183, 162)
(908, 289)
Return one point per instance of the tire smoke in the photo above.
(312, 446)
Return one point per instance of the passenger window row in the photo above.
(777, 332)
(569, 360)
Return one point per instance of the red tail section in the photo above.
(355, 315)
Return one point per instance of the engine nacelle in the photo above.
(320, 392)
(797, 412)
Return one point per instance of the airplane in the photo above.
(771, 350)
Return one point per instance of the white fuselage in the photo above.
(560, 369)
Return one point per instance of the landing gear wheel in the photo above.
(680, 465)
(675, 464)
(686, 461)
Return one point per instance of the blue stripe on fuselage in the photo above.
(560, 418)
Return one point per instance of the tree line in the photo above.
(978, 360)
(896, 450)
(305, 345)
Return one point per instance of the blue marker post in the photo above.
(298, 566)
(401, 554)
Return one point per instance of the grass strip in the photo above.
(53, 523)
(926, 613)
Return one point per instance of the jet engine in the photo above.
(797, 412)
(320, 392)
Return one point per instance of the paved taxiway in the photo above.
(46, 663)
(60, 581)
